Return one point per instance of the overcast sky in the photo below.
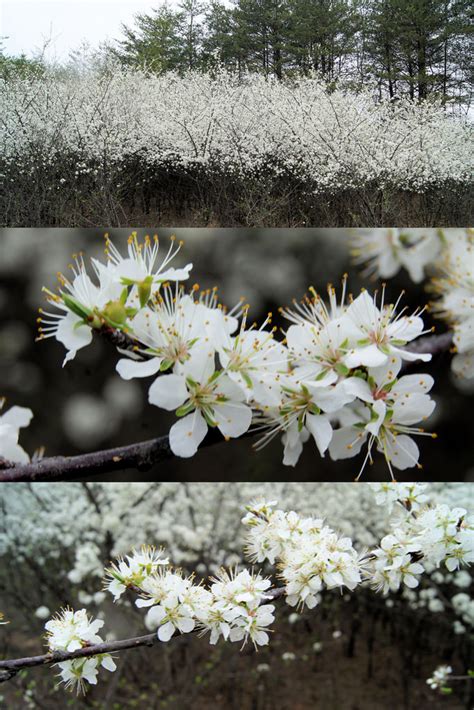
(27, 24)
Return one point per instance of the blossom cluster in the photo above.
(69, 631)
(310, 556)
(455, 288)
(330, 140)
(449, 258)
(231, 607)
(334, 377)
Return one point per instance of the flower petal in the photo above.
(187, 434)
(168, 392)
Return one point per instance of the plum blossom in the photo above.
(133, 570)
(121, 287)
(381, 333)
(69, 631)
(386, 251)
(440, 677)
(253, 624)
(170, 616)
(202, 396)
(391, 408)
(455, 288)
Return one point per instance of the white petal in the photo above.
(346, 442)
(387, 372)
(154, 616)
(129, 369)
(233, 418)
(402, 451)
(379, 408)
(187, 434)
(168, 392)
(108, 663)
(405, 329)
(411, 357)
(413, 383)
(412, 408)
(166, 631)
(175, 274)
(331, 399)
(71, 337)
(369, 356)
(18, 417)
(185, 625)
(359, 388)
(201, 364)
(293, 447)
(321, 429)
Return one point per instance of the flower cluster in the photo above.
(423, 538)
(330, 140)
(440, 677)
(335, 377)
(231, 607)
(449, 256)
(456, 298)
(310, 555)
(386, 251)
(10, 423)
(72, 630)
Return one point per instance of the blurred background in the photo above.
(86, 406)
(354, 651)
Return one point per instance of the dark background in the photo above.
(85, 406)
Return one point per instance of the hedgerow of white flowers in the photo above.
(330, 140)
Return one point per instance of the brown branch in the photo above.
(140, 456)
(9, 668)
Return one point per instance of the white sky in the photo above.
(28, 23)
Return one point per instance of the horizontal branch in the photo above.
(140, 456)
(9, 668)
(145, 454)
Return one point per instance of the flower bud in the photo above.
(115, 312)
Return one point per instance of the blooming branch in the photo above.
(335, 378)
(9, 668)
(311, 559)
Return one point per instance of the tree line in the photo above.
(404, 47)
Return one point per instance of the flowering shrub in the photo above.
(426, 538)
(219, 124)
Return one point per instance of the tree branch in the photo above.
(145, 454)
(141, 456)
(9, 668)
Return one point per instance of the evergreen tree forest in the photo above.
(415, 48)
